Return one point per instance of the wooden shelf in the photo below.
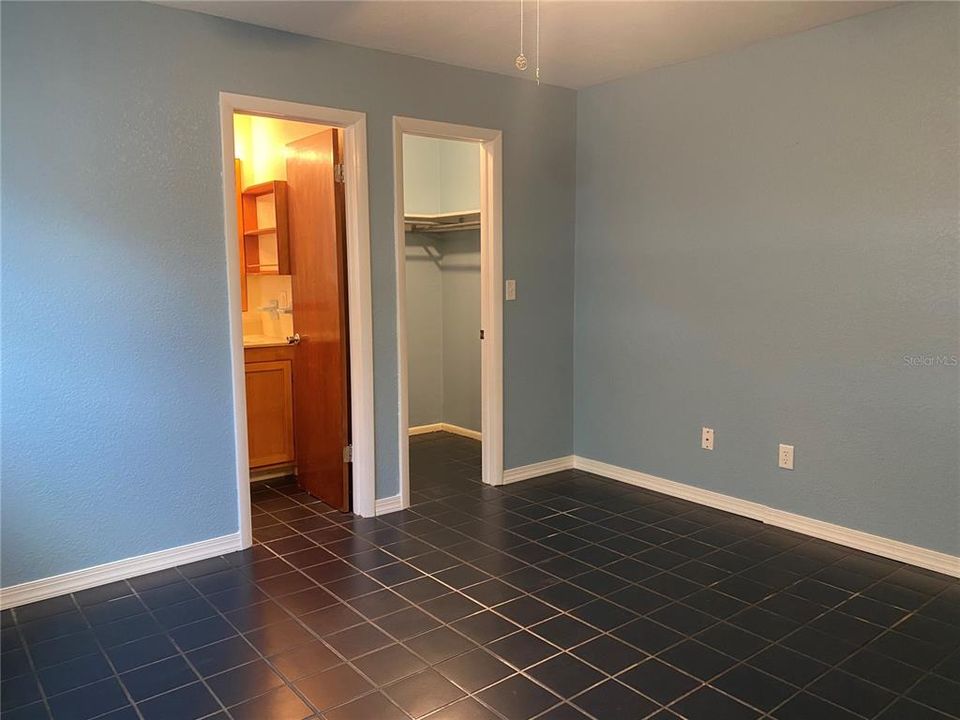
(253, 234)
(264, 188)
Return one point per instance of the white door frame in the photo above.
(354, 125)
(491, 284)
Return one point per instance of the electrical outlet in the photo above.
(786, 456)
(511, 290)
(706, 438)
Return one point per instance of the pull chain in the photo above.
(521, 61)
(538, 42)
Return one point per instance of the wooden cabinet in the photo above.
(269, 381)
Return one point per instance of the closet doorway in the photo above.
(448, 309)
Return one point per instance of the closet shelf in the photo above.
(443, 222)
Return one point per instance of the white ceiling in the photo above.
(583, 42)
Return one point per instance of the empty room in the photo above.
(480, 360)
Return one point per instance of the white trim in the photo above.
(424, 429)
(445, 427)
(525, 472)
(491, 308)
(462, 431)
(49, 587)
(390, 504)
(885, 547)
(358, 290)
(491, 293)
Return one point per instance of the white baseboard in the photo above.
(465, 432)
(525, 472)
(49, 587)
(389, 504)
(37, 590)
(424, 429)
(885, 547)
(445, 427)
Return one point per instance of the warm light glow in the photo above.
(307, 155)
(261, 143)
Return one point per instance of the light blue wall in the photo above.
(117, 415)
(459, 186)
(443, 324)
(440, 176)
(424, 330)
(763, 237)
(421, 168)
(461, 329)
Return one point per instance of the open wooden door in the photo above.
(321, 385)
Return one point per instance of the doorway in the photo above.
(298, 264)
(449, 306)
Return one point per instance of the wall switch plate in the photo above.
(786, 456)
(510, 291)
(706, 438)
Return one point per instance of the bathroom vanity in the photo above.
(269, 380)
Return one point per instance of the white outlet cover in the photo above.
(510, 290)
(706, 438)
(785, 457)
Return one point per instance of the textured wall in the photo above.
(116, 384)
(764, 241)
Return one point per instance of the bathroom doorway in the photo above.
(299, 304)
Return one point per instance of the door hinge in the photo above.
(338, 172)
(481, 334)
(348, 454)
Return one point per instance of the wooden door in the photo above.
(270, 412)
(318, 265)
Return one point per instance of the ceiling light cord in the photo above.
(521, 61)
(538, 42)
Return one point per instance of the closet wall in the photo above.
(424, 330)
(443, 285)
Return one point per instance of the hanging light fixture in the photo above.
(521, 61)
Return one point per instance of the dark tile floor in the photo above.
(568, 596)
